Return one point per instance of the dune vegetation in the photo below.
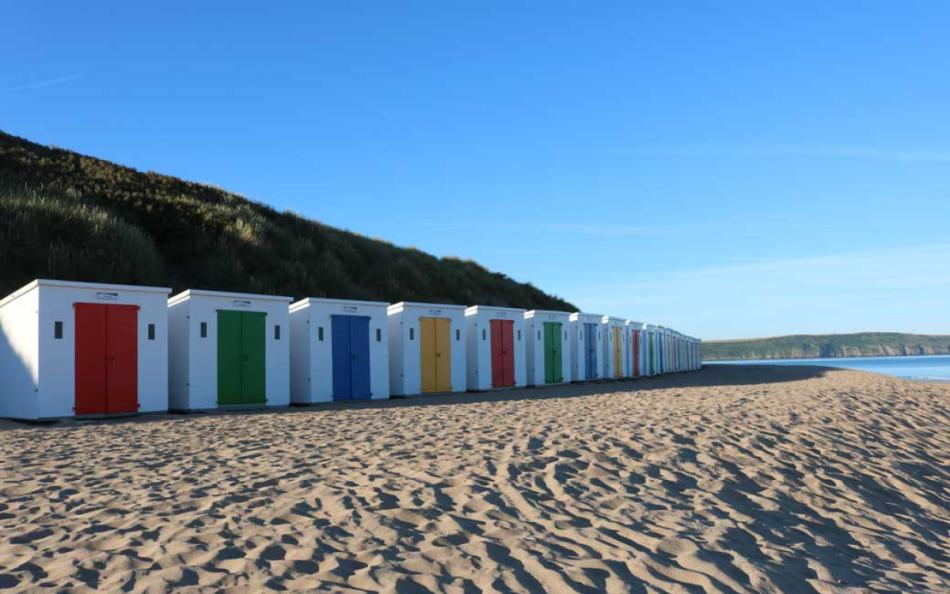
(68, 216)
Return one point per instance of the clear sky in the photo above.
(728, 169)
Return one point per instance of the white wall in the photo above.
(57, 359)
(478, 345)
(300, 356)
(313, 372)
(19, 356)
(534, 344)
(178, 361)
(578, 362)
(405, 376)
(607, 352)
(202, 372)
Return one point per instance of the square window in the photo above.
(151, 331)
(204, 329)
(57, 330)
(277, 332)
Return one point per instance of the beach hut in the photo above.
(494, 348)
(586, 346)
(73, 348)
(426, 349)
(228, 350)
(635, 349)
(615, 344)
(339, 350)
(548, 347)
(660, 337)
(650, 349)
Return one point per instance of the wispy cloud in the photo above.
(44, 83)
(843, 151)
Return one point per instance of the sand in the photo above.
(732, 479)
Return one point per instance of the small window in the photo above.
(539, 335)
(57, 330)
(483, 334)
(412, 334)
(519, 335)
(379, 335)
(276, 331)
(320, 333)
(458, 334)
(204, 329)
(565, 335)
(151, 331)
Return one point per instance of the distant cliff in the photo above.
(804, 346)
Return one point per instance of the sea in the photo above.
(931, 368)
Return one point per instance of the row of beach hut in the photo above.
(73, 348)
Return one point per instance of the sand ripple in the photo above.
(726, 480)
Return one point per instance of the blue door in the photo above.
(359, 350)
(350, 350)
(590, 358)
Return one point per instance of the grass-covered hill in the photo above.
(69, 216)
(864, 344)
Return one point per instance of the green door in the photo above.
(241, 360)
(253, 343)
(553, 360)
(230, 357)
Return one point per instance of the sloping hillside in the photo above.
(68, 216)
(864, 344)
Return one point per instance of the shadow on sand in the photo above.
(708, 376)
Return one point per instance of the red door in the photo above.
(502, 353)
(106, 358)
(90, 358)
(122, 349)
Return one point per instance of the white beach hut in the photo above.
(650, 350)
(664, 349)
(615, 346)
(494, 348)
(339, 350)
(426, 348)
(228, 349)
(548, 347)
(74, 348)
(634, 359)
(586, 346)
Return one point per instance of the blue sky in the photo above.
(728, 169)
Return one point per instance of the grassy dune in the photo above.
(69, 216)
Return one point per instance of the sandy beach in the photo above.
(731, 479)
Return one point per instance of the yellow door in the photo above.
(618, 358)
(427, 358)
(435, 354)
(443, 354)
